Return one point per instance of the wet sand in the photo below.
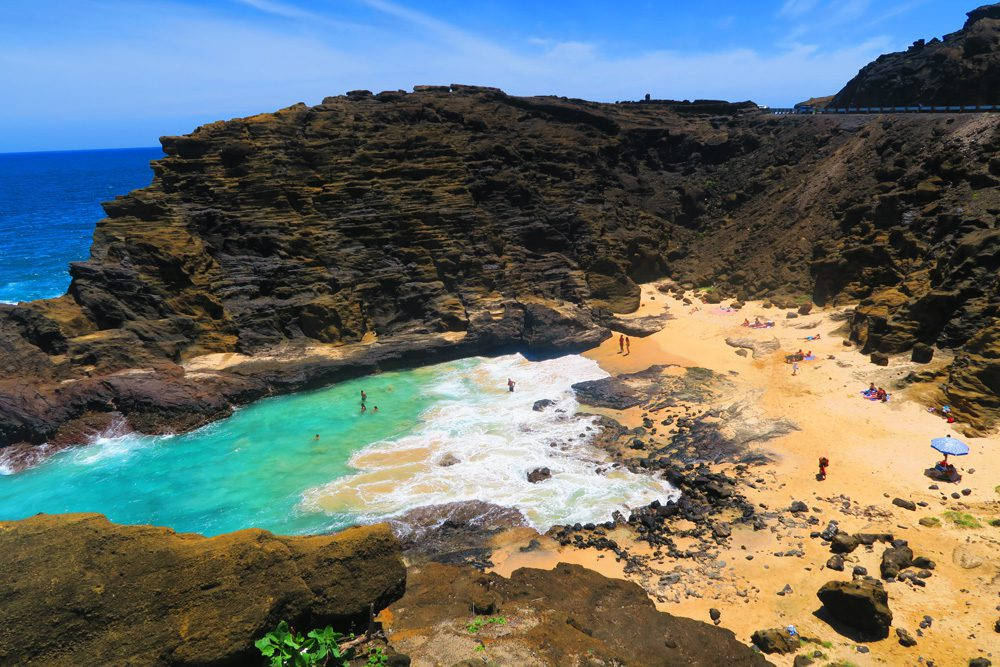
(877, 452)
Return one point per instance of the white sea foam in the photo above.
(498, 439)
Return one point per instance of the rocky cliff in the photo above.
(960, 68)
(80, 590)
(309, 244)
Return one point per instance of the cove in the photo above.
(263, 467)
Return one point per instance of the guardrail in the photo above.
(805, 111)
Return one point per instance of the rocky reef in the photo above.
(962, 67)
(296, 248)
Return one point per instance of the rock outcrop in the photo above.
(862, 604)
(78, 589)
(960, 68)
(367, 232)
(568, 615)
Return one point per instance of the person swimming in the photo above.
(316, 437)
(375, 409)
(363, 408)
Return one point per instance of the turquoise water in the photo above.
(49, 203)
(249, 470)
(263, 468)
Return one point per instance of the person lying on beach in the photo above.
(816, 337)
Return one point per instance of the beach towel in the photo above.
(811, 357)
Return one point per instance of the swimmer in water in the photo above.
(363, 408)
(364, 397)
(375, 409)
(316, 437)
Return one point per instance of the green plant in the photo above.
(997, 488)
(286, 648)
(477, 624)
(377, 657)
(962, 520)
(995, 523)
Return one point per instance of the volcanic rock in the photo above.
(861, 604)
(75, 584)
(775, 640)
(559, 616)
(895, 559)
(962, 68)
(539, 475)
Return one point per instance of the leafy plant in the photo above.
(477, 624)
(286, 648)
(995, 523)
(377, 657)
(962, 519)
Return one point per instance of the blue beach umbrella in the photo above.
(949, 445)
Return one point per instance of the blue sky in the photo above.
(116, 73)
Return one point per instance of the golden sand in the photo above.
(877, 451)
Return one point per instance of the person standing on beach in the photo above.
(628, 346)
(795, 368)
(510, 385)
(621, 344)
(823, 463)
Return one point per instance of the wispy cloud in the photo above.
(796, 8)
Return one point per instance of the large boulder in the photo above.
(78, 589)
(564, 616)
(862, 604)
(775, 640)
(895, 560)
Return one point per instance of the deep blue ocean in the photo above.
(49, 203)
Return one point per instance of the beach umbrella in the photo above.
(949, 445)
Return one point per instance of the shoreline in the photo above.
(878, 452)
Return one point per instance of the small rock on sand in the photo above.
(448, 459)
(539, 475)
(905, 504)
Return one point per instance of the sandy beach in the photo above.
(877, 452)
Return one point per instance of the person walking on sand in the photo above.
(510, 385)
(823, 463)
(628, 346)
(621, 344)
(795, 368)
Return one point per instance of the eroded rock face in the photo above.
(76, 584)
(961, 68)
(568, 615)
(456, 221)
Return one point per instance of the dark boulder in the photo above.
(541, 404)
(862, 604)
(879, 359)
(895, 560)
(842, 543)
(835, 562)
(905, 638)
(539, 475)
(905, 504)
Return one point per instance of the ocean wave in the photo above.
(491, 439)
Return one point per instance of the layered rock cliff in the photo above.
(960, 68)
(370, 231)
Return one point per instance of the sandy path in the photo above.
(877, 452)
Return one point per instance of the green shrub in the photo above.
(286, 648)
